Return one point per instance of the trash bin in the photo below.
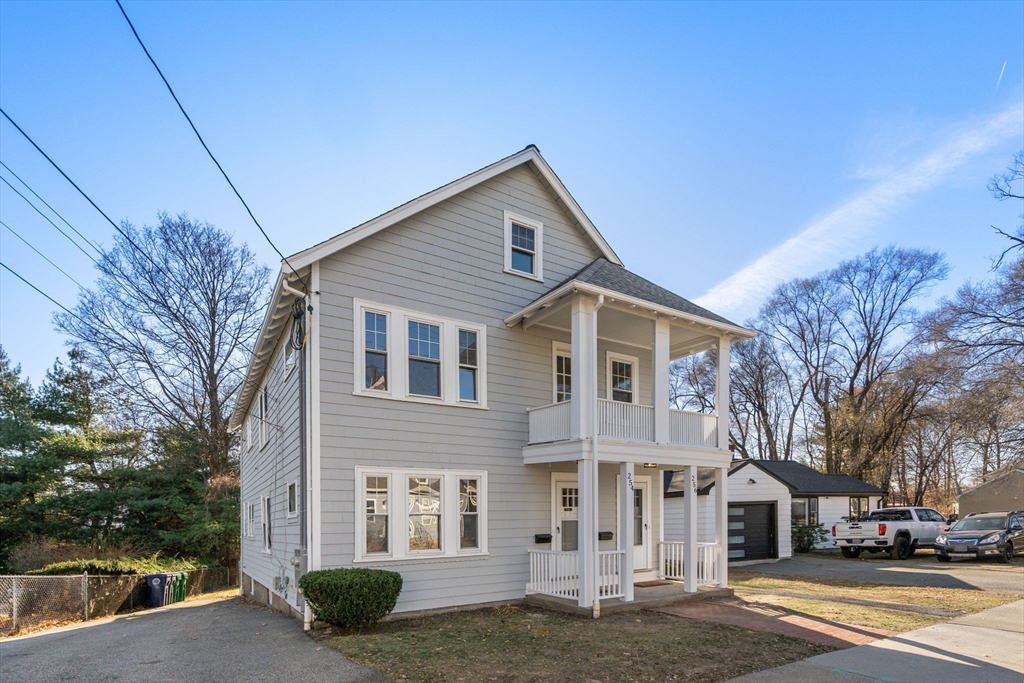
(179, 586)
(159, 587)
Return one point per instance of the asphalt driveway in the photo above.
(920, 570)
(205, 640)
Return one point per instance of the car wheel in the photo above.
(900, 548)
(1007, 554)
(911, 552)
(943, 558)
(850, 553)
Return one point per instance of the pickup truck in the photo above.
(898, 531)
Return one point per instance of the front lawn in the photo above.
(512, 645)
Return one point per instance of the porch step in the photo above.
(643, 598)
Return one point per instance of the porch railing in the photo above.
(609, 575)
(626, 421)
(672, 566)
(550, 423)
(692, 429)
(556, 573)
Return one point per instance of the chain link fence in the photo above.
(30, 601)
(34, 601)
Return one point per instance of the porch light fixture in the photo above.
(751, 481)
(650, 465)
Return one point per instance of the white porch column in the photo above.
(587, 532)
(626, 529)
(722, 524)
(690, 531)
(722, 392)
(659, 383)
(584, 367)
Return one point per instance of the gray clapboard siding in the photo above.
(448, 261)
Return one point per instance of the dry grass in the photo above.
(968, 601)
(510, 645)
(843, 613)
(38, 552)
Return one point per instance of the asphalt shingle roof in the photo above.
(801, 480)
(604, 273)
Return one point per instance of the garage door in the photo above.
(751, 531)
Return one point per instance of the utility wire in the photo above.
(29, 188)
(203, 143)
(52, 300)
(13, 232)
(55, 226)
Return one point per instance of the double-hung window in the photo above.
(439, 360)
(293, 499)
(265, 523)
(250, 519)
(561, 357)
(859, 506)
(424, 359)
(421, 514)
(524, 242)
(622, 380)
(804, 511)
(264, 416)
(468, 364)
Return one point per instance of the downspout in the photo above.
(301, 561)
(597, 466)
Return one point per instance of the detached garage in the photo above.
(766, 498)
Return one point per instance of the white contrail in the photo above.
(742, 292)
(1000, 79)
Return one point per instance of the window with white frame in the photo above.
(289, 355)
(250, 519)
(293, 499)
(247, 432)
(561, 359)
(622, 378)
(524, 246)
(264, 416)
(445, 359)
(421, 513)
(265, 523)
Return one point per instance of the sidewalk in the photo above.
(987, 647)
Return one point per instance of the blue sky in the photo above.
(720, 148)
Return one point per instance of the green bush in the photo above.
(153, 564)
(806, 536)
(351, 598)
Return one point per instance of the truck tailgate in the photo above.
(851, 530)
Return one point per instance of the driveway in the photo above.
(920, 570)
(205, 640)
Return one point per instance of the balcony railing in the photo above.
(671, 564)
(625, 422)
(556, 573)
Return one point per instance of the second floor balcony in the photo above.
(629, 422)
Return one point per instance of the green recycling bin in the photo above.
(179, 586)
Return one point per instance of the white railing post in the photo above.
(626, 529)
(722, 523)
(690, 530)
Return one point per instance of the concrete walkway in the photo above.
(987, 647)
(222, 640)
(770, 620)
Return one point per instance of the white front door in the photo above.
(641, 525)
(567, 515)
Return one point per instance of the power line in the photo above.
(52, 300)
(203, 143)
(55, 227)
(13, 232)
(29, 188)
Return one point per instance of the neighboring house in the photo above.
(459, 354)
(766, 499)
(1003, 492)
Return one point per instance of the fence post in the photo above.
(85, 593)
(14, 603)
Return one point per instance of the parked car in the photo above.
(898, 531)
(983, 534)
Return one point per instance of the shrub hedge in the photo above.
(122, 565)
(351, 598)
(806, 536)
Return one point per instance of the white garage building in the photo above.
(766, 499)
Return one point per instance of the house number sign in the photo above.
(693, 483)
(629, 480)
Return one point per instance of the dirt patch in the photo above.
(520, 646)
(651, 584)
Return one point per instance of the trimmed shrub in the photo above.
(153, 564)
(351, 598)
(806, 536)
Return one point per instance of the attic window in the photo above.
(524, 243)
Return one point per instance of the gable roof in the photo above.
(998, 476)
(528, 155)
(800, 479)
(601, 276)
